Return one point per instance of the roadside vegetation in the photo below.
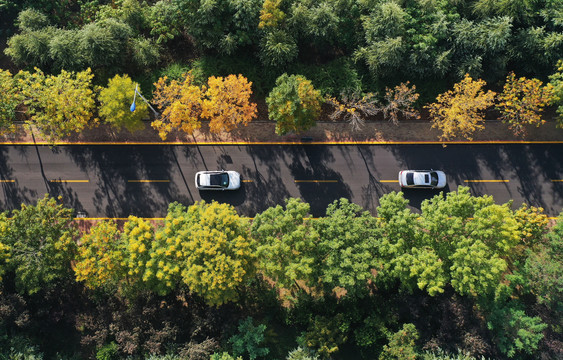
(465, 277)
(221, 61)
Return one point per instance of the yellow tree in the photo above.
(181, 105)
(271, 15)
(207, 247)
(522, 101)
(227, 103)
(10, 98)
(99, 259)
(59, 104)
(115, 101)
(4, 248)
(138, 236)
(459, 112)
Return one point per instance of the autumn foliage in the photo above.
(522, 102)
(225, 102)
(459, 112)
(59, 105)
(180, 103)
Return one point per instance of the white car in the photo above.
(429, 179)
(217, 180)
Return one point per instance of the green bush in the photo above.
(31, 19)
(206, 66)
(443, 355)
(249, 340)
(401, 344)
(332, 78)
(108, 352)
(18, 348)
(301, 354)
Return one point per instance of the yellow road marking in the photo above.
(248, 181)
(482, 181)
(7, 181)
(389, 181)
(69, 181)
(148, 181)
(556, 180)
(316, 181)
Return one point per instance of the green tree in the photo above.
(278, 48)
(41, 240)
(63, 51)
(115, 101)
(327, 334)
(514, 332)
(249, 339)
(401, 345)
(348, 239)
(472, 236)
(59, 105)
(557, 83)
(224, 25)
(300, 353)
(480, 47)
(543, 270)
(294, 104)
(320, 23)
(286, 242)
(10, 98)
(385, 45)
(475, 269)
(224, 356)
(104, 44)
(164, 21)
(131, 12)
(31, 47)
(32, 19)
(406, 254)
(207, 247)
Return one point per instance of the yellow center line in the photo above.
(479, 181)
(69, 181)
(7, 181)
(556, 180)
(247, 180)
(389, 181)
(316, 181)
(147, 181)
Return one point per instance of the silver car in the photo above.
(217, 180)
(428, 179)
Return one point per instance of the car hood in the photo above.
(234, 180)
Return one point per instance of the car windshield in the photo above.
(219, 180)
(434, 177)
(410, 178)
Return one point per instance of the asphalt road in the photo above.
(121, 180)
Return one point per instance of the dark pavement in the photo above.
(122, 180)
